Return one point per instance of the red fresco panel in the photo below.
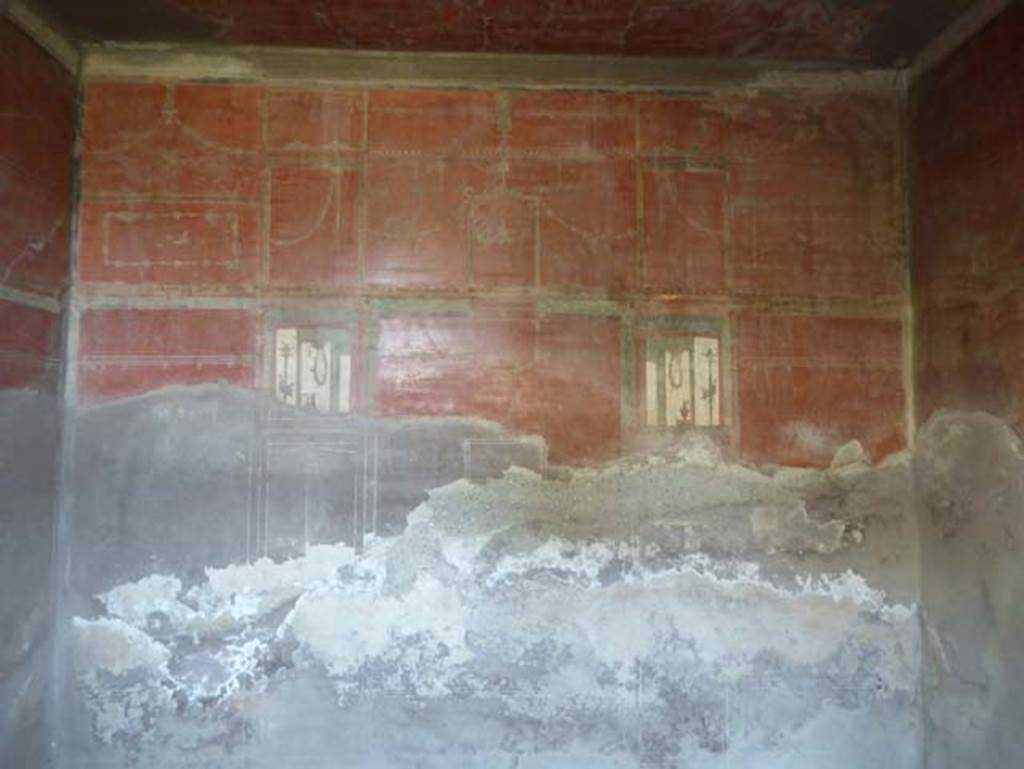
(806, 385)
(34, 232)
(315, 120)
(503, 242)
(459, 365)
(680, 128)
(179, 243)
(574, 153)
(578, 378)
(559, 376)
(126, 352)
(418, 218)
(314, 226)
(588, 225)
(970, 356)
(968, 238)
(571, 125)
(808, 232)
(450, 123)
(36, 147)
(28, 344)
(684, 230)
(197, 140)
(967, 205)
(814, 197)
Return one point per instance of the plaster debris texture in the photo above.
(663, 610)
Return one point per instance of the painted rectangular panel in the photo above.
(314, 221)
(172, 243)
(684, 220)
(418, 219)
(171, 239)
(588, 220)
(312, 493)
(503, 243)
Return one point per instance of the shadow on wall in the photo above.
(438, 595)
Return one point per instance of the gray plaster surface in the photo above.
(665, 610)
(969, 469)
(29, 447)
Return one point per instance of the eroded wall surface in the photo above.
(412, 428)
(968, 253)
(36, 138)
(669, 609)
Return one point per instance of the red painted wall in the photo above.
(37, 107)
(29, 346)
(968, 237)
(806, 384)
(528, 231)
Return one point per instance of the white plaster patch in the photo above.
(114, 646)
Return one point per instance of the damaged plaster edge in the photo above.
(969, 23)
(285, 65)
(54, 42)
